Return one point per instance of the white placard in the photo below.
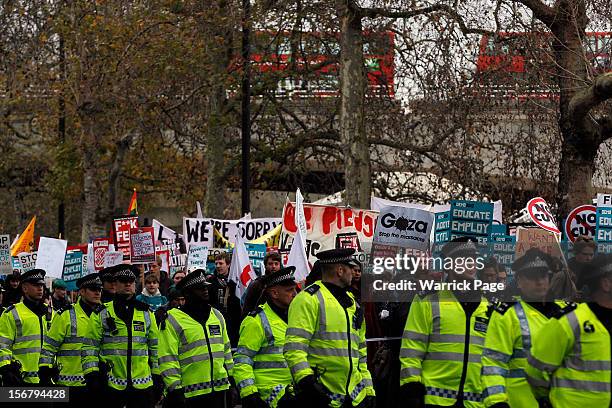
(51, 256)
(404, 227)
(112, 258)
(197, 256)
(6, 264)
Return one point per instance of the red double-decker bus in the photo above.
(523, 62)
(307, 63)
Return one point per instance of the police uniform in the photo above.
(122, 341)
(440, 355)
(194, 350)
(570, 360)
(261, 372)
(511, 331)
(60, 359)
(325, 342)
(22, 329)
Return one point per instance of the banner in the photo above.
(404, 227)
(329, 227)
(25, 242)
(6, 264)
(51, 256)
(142, 246)
(100, 247)
(201, 230)
(73, 268)
(122, 227)
(163, 233)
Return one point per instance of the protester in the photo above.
(323, 319)
(492, 273)
(177, 277)
(194, 349)
(253, 296)
(175, 300)
(584, 251)
(511, 330)
(151, 294)
(59, 298)
(60, 359)
(223, 295)
(13, 292)
(122, 343)
(261, 372)
(569, 364)
(443, 338)
(23, 327)
(162, 276)
(355, 287)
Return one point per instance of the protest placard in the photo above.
(540, 214)
(197, 256)
(112, 258)
(142, 246)
(73, 268)
(201, 230)
(404, 227)
(582, 220)
(122, 227)
(6, 264)
(546, 241)
(51, 256)
(100, 247)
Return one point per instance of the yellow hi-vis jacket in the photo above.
(441, 350)
(64, 343)
(504, 358)
(193, 358)
(129, 351)
(259, 362)
(570, 360)
(21, 338)
(328, 341)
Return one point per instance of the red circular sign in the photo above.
(581, 221)
(541, 215)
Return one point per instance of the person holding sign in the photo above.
(261, 372)
(194, 349)
(60, 359)
(513, 329)
(23, 327)
(122, 340)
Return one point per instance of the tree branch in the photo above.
(582, 103)
(541, 11)
(374, 12)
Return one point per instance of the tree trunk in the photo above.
(214, 201)
(94, 215)
(353, 84)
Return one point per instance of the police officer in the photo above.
(64, 341)
(570, 361)
(22, 329)
(511, 331)
(194, 351)
(443, 337)
(260, 370)
(325, 343)
(122, 341)
(107, 276)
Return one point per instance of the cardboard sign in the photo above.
(404, 227)
(581, 220)
(6, 264)
(112, 258)
(545, 241)
(73, 268)
(197, 256)
(540, 213)
(201, 230)
(51, 256)
(100, 247)
(122, 227)
(27, 260)
(324, 223)
(142, 246)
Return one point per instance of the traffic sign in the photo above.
(581, 221)
(540, 214)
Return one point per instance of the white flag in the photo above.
(199, 210)
(300, 218)
(297, 258)
(241, 271)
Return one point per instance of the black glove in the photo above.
(412, 394)
(93, 383)
(313, 392)
(368, 402)
(11, 375)
(500, 405)
(544, 403)
(158, 387)
(254, 401)
(47, 375)
(175, 398)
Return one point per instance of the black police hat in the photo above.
(601, 265)
(33, 276)
(194, 279)
(283, 276)
(337, 256)
(125, 271)
(107, 274)
(91, 281)
(460, 247)
(533, 263)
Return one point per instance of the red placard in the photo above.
(100, 247)
(122, 227)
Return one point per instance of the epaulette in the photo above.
(312, 289)
(568, 308)
(502, 307)
(138, 305)
(8, 309)
(98, 308)
(64, 308)
(256, 311)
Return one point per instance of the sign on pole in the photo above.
(73, 268)
(142, 246)
(581, 221)
(122, 227)
(51, 256)
(6, 264)
(100, 246)
(112, 258)
(540, 213)
(404, 227)
(197, 256)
